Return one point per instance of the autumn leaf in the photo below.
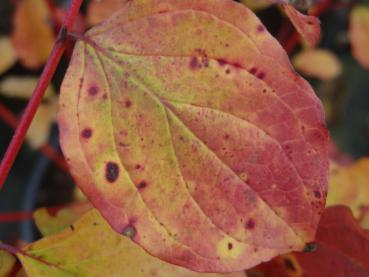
(32, 36)
(50, 223)
(177, 128)
(7, 54)
(342, 250)
(318, 63)
(359, 34)
(91, 243)
(349, 185)
(7, 262)
(343, 246)
(306, 25)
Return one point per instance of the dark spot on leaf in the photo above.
(253, 70)
(317, 194)
(226, 136)
(250, 224)
(87, 133)
(105, 96)
(111, 171)
(260, 28)
(261, 75)
(129, 231)
(221, 62)
(128, 104)
(71, 227)
(289, 264)
(310, 247)
(138, 166)
(230, 246)
(93, 90)
(228, 71)
(194, 63)
(142, 185)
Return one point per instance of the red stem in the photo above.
(43, 82)
(9, 118)
(6, 217)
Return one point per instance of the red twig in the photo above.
(9, 118)
(46, 76)
(6, 217)
(294, 38)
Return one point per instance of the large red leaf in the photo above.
(186, 126)
(342, 250)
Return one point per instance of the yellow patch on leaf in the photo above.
(359, 34)
(32, 36)
(90, 247)
(318, 63)
(177, 128)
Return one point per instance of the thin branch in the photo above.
(46, 76)
(6, 217)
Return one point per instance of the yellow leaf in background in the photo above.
(257, 4)
(32, 36)
(349, 185)
(98, 10)
(359, 34)
(318, 63)
(90, 247)
(7, 54)
(39, 131)
(49, 223)
(22, 87)
(7, 261)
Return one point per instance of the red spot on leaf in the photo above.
(230, 246)
(261, 75)
(260, 28)
(128, 104)
(250, 224)
(253, 70)
(87, 133)
(93, 90)
(194, 63)
(111, 172)
(142, 185)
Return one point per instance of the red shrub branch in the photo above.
(46, 76)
